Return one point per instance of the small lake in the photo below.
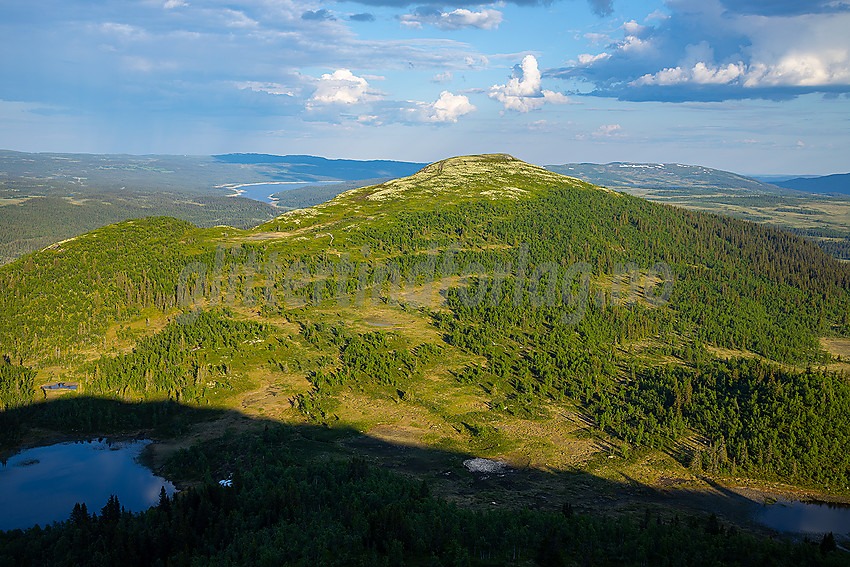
(805, 517)
(42, 484)
(263, 191)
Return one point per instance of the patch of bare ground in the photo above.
(282, 235)
(390, 419)
(839, 348)
(400, 434)
(271, 398)
(834, 346)
(725, 353)
(245, 313)
(369, 318)
(152, 321)
(552, 444)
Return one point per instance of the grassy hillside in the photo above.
(311, 195)
(481, 306)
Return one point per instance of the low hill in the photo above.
(32, 223)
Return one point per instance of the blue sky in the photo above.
(752, 86)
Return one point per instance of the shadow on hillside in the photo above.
(233, 438)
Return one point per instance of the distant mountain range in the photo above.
(625, 176)
(838, 183)
(63, 174)
(313, 168)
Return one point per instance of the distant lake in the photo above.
(805, 517)
(42, 484)
(262, 191)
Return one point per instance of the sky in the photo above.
(750, 86)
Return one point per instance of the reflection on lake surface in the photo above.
(42, 484)
(805, 517)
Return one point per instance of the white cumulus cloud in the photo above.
(633, 28)
(524, 92)
(700, 73)
(589, 59)
(449, 107)
(342, 87)
(829, 67)
(794, 70)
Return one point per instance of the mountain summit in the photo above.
(497, 176)
(446, 183)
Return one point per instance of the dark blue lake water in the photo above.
(262, 191)
(805, 518)
(42, 484)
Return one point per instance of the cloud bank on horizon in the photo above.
(748, 85)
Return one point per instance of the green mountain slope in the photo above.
(482, 305)
(821, 219)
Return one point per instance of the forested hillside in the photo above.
(483, 306)
(37, 222)
(66, 296)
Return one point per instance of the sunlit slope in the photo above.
(738, 286)
(489, 177)
(497, 181)
(545, 340)
(64, 298)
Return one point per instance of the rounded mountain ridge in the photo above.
(495, 176)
